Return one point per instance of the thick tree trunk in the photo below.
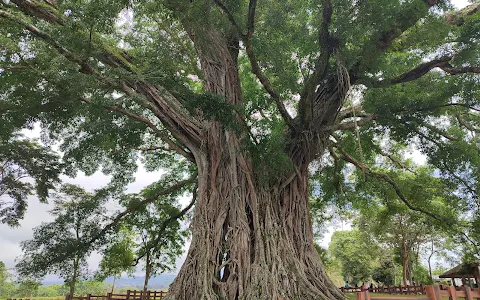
(249, 240)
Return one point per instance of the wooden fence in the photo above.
(130, 295)
(409, 289)
(432, 293)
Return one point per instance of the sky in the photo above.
(37, 212)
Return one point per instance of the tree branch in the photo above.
(428, 108)
(351, 112)
(403, 23)
(345, 156)
(258, 71)
(150, 148)
(14, 67)
(252, 5)
(42, 9)
(411, 13)
(321, 65)
(166, 107)
(165, 224)
(459, 70)
(129, 210)
(396, 161)
(352, 124)
(172, 145)
(230, 16)
(439, 132)
(465, 124)
(420, 70)
(458, 17)
(85, 68)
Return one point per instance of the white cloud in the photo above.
(460, 3)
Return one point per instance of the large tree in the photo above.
(247, 97)
(78, 216)
(358, 254)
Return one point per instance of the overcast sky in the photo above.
(37, 212)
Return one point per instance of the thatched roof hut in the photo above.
(464, 271)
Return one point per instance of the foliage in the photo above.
(6, 285)
(27, 168)
(28, 288)
(332, 265)
(323, 253)
(159, 253)
(78, 217)
(118, 257)
(420, 275)
(405, 231)
(277, 92)
(357, 253)
(384, 273)
(83, 288)
(93, 287)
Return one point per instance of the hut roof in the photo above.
(467, 270)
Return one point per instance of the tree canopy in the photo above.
(26, 168)
(261, 104)
(78, 217)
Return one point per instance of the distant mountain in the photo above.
(155, 283)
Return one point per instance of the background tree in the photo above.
(402, 229)
(253, 97)
(78, 216)
(357, 253)
(26, 168)
(158, 253)
(118, 257)
(27, 288)
(332, 266)
(385, 273)
(7, 286)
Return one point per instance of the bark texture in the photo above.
(249, 240)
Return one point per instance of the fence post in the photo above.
(128, 295)
(366, 294)
(468, 294)
(109, 296)
(431, 292)
(89, 296)
(360, 296)
(436, 289)
(452, 292)
(67, 297)
(342, 289)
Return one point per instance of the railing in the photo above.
(409, 289)
(130, 295)
(432, 293)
